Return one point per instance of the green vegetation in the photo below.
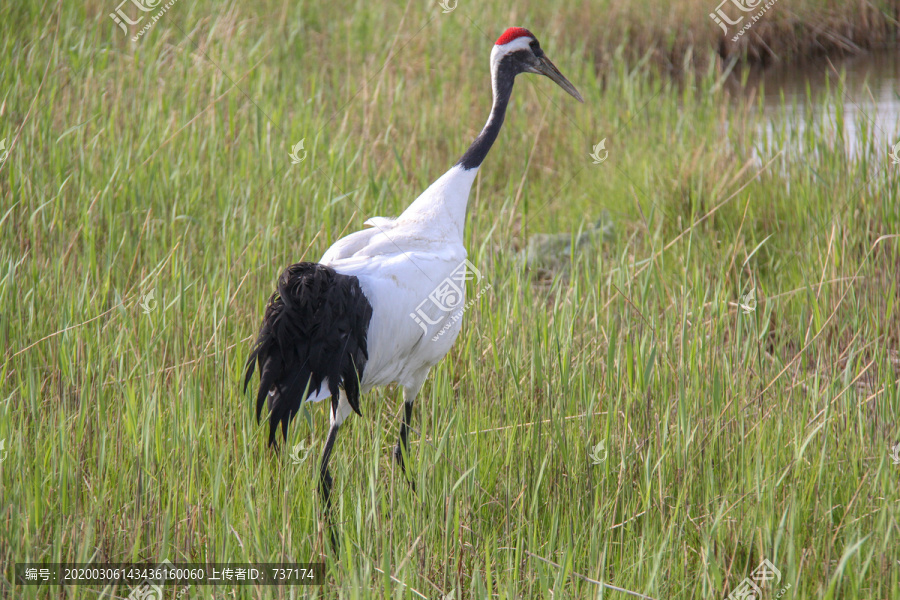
(731, 434)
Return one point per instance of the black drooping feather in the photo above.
(314, 329)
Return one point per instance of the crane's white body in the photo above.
(399, 263)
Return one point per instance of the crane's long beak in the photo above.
(545, 67)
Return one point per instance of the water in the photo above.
(868, 86)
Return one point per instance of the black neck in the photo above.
(502, 86)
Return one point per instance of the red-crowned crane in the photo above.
(355, 320)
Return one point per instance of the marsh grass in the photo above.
(163, 165)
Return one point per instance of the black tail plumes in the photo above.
(314, 330)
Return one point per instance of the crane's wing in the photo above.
(313, 335)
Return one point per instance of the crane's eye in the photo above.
(536, 48)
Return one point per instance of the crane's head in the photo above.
(518, 51)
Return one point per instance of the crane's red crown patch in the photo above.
(511, 34)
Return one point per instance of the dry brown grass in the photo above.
(679, 34)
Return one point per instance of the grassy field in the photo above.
(733, 428)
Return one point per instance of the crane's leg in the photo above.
(324, 473)
(340, 408)
(410, 391)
